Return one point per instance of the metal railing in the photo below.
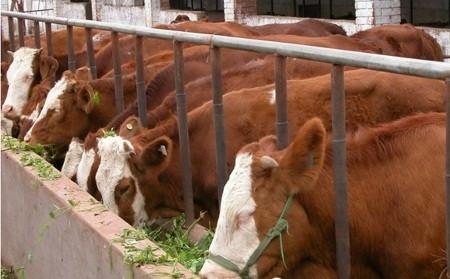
(338, 58)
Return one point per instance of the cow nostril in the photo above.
(7, 108)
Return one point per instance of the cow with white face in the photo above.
(115, 181)
(250, 207)
(277, 215)
(21, 75)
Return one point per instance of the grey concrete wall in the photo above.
(77, 243)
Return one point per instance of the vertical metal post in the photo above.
(295, 7)
(447, 174)
(272, 12)
(331, 9)
(12, 40)
(118, 83)
(411, 11)
(37, 35)
(48, 33)
(304, 7)
(221, 157)
(340, 171)
(70, 51)
(3, 49)
(90, 52)
(140, 83)
(280, 98)
(21, 25)
(183, 133)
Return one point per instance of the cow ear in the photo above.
(303, 159)
(84, 99)
(156, 155)
(83, 73)
(48, 67)
(130, 127)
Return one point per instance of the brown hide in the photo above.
(396, 202)
(306, 27)
(218, 28)
(256, 73)
(402, 40)
(372, 97)
(152, 46)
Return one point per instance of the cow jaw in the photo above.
(20, 77)
(236, 234)
(52, 103)
(112, 169)
(72, 159)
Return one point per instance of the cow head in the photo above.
(116, 183)
(65, 113)
(254, 197)
(28, 68)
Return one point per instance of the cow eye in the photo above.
(244, 218)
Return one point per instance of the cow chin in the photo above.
(211, 270)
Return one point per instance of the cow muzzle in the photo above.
(9, 112)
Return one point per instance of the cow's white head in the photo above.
(21, 75)
(253, 199)
(118, 187)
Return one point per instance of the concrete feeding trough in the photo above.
(53, 229)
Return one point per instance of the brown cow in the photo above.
(153, 177)
(402, 40)
(306, 27)
(75, 107)
(396, 204)
(152, 46)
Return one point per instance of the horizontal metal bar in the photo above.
(416, 67)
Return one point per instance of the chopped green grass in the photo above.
(109, 133)
(179, 249)
(43, 168)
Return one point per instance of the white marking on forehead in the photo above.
(20, 78)
(114, 167)
(236, 234)
(84, 168)
(273, 97)
(72, 159)
(52, 102)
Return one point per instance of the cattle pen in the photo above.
(338, 58)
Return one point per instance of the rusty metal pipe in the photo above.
(90, 53)
(140, 83)
(221, 163)
(70, 50)
(48, 33)
(340, 171)
(12, 40)
(183, 133)
(118, 82)
(21, 25)
(281, 102)
(37, 34)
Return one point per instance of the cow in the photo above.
(257, 73)
(403, 40)
(180, 18)
(75, 107)
(306, 27)
(28, 68)
(151, 46)
(396, 204)
(150, 161)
